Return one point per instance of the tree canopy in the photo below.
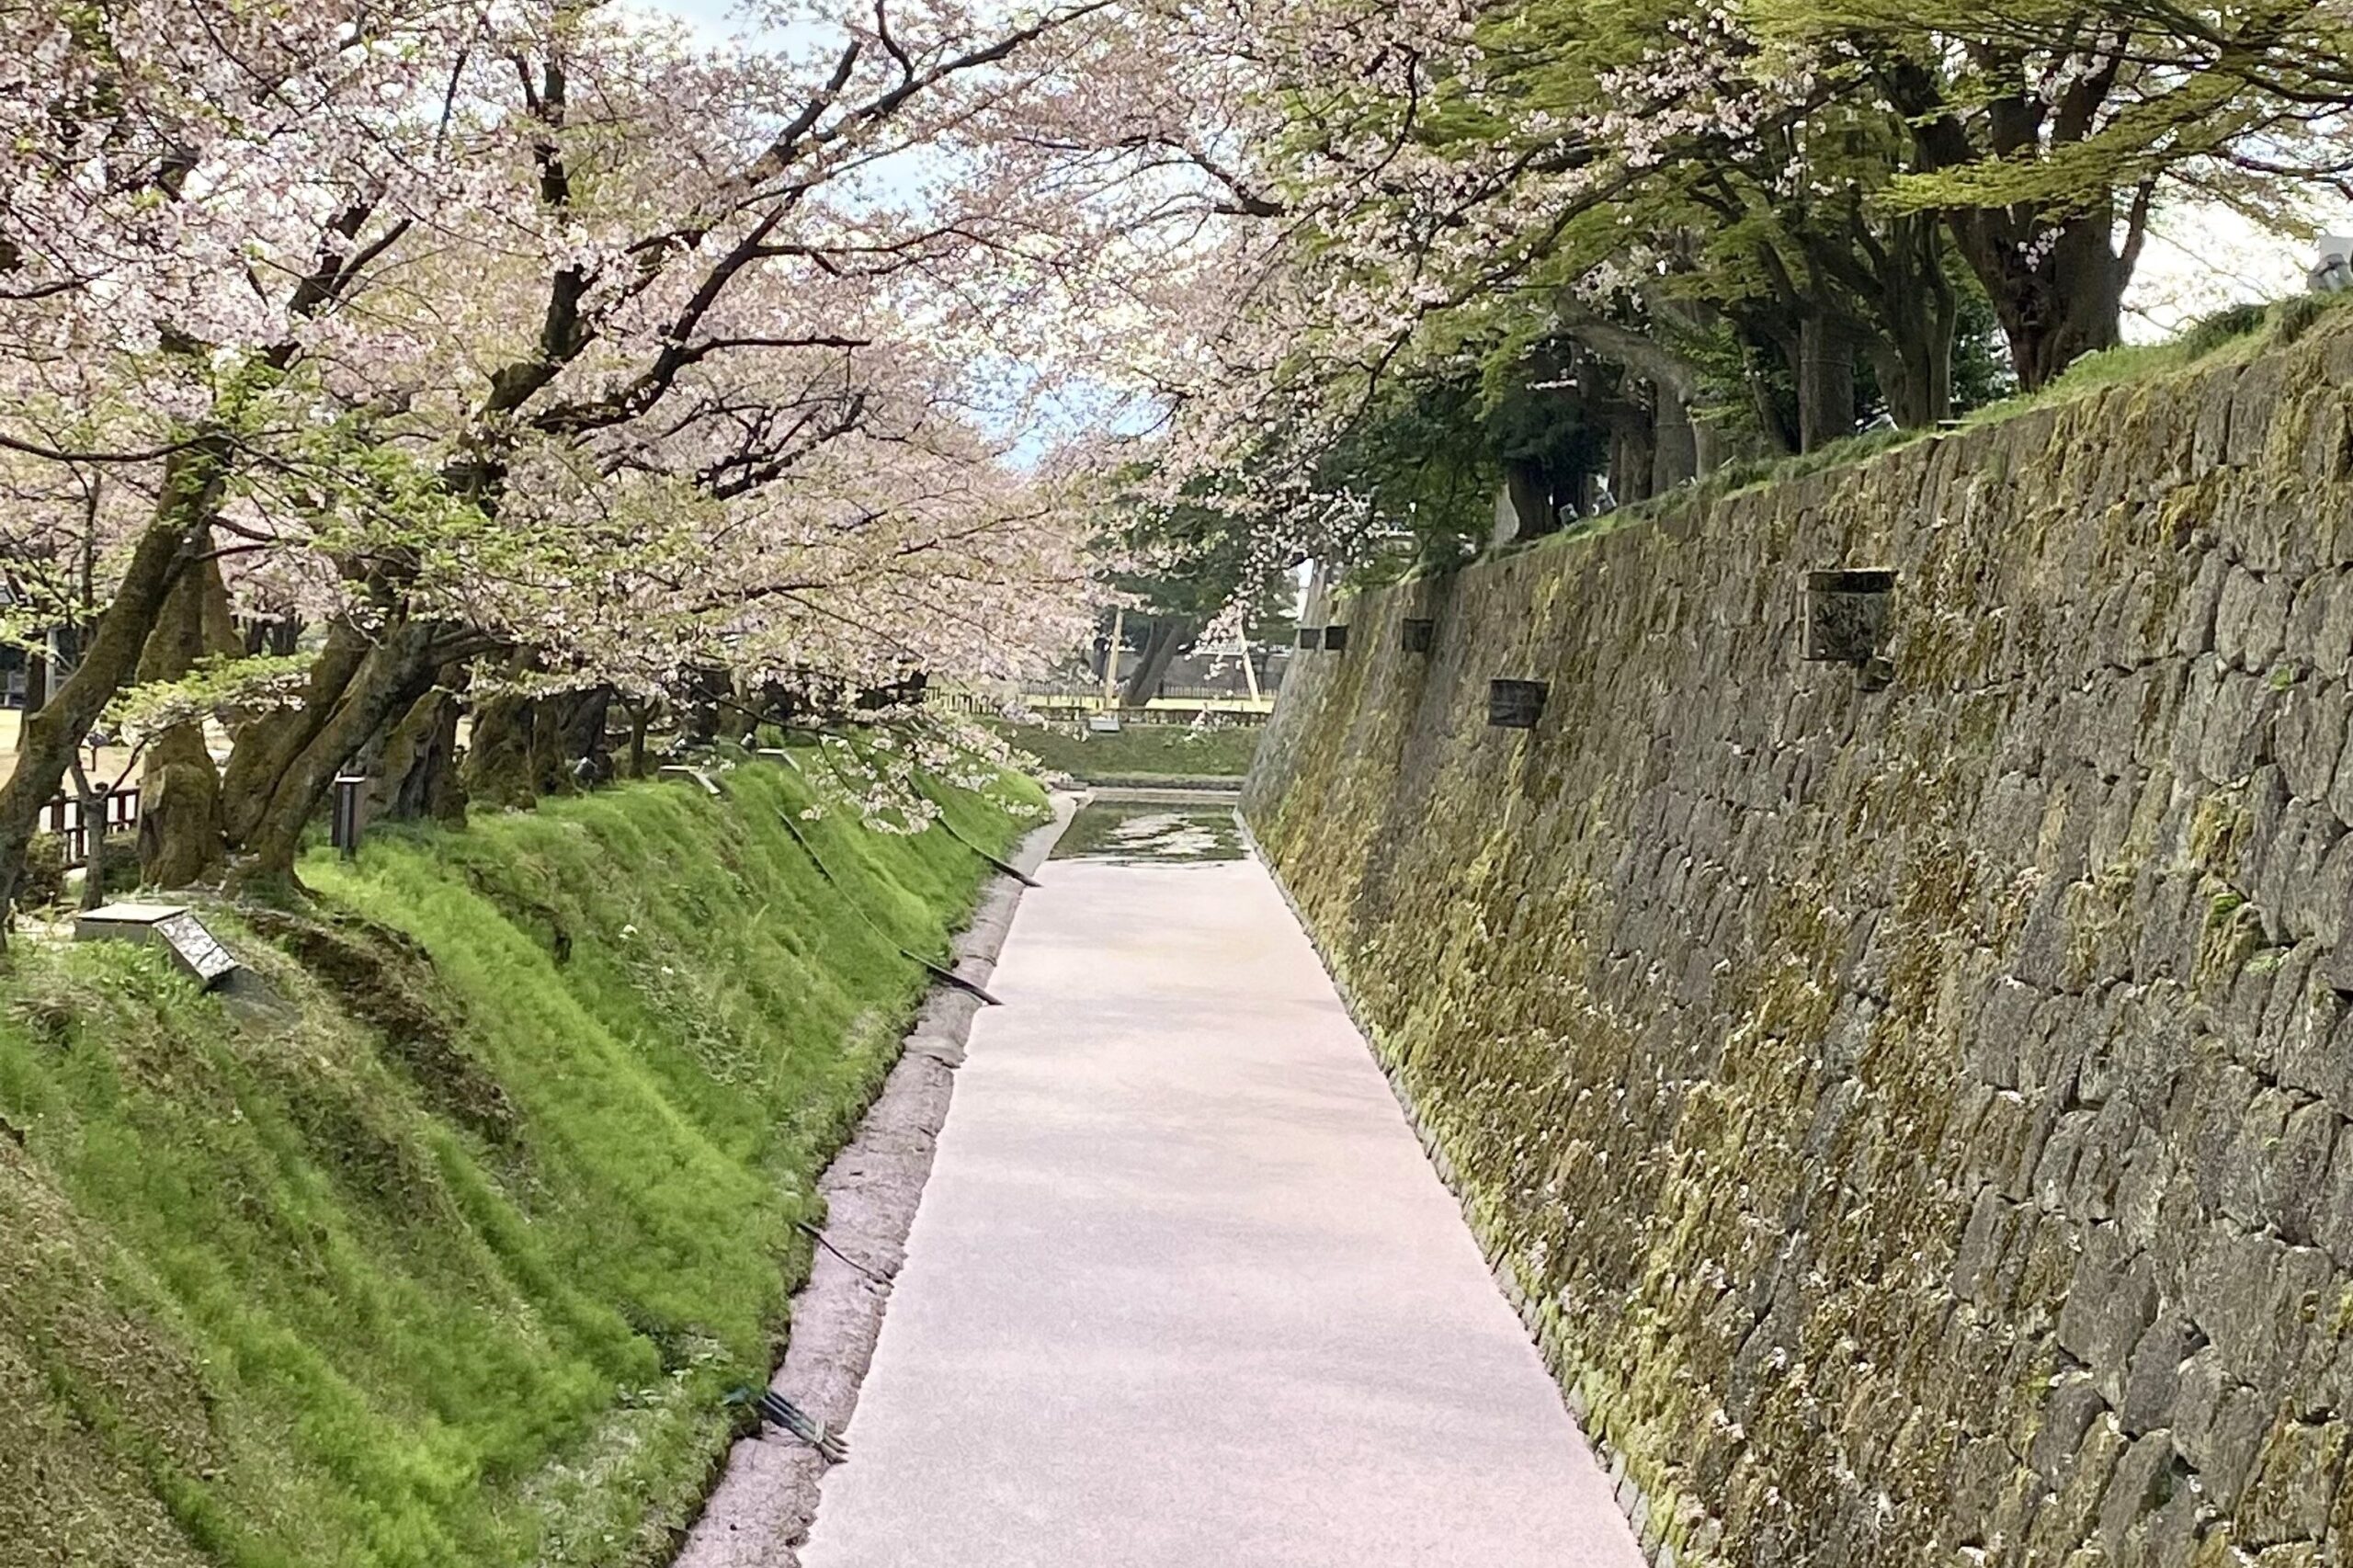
(377, 367)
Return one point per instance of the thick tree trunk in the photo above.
(1826, 381)
(641, 715)
(1632, 456)
(1168, 633)
(416, 777)
(1675, 442)
(397, 671)
(2058, 295)
(1531, 491)
(268, 746)
(2057, 289)
(499, 769)
(46, 746)
(1778, 437)
(1922, 311)
(702, 692)
(180, 834)
(180, 841)
(577, 732)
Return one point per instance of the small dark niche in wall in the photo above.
(1311, 637)
(1515, 704)
(1336, 638)
(1846, 614)
(1418, 636)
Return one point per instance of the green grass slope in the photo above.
(443, 1244)
(1138, 752)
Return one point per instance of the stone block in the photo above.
(2219, 1425)
(171, 926)
(2312, 733)
(2203, 607)
(2330, 652)
(2296, 1474)
(2307, 1037)
(2069, 1411)
(2234, 611)
(2151, 1380)
(2253, 397)
(2237, 735)
(2111, 1301)
(2141, 1484)
(676, 773)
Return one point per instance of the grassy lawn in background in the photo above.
(1139, 751)
(441, 1241)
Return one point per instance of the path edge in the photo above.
(758, 1513)
(1645, 1521)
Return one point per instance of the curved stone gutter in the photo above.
(759, 1513)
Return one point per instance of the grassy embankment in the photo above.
(446, 1247)
(1140, 754)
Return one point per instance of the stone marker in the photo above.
(171, 925)
(1515, 704)
(1846, 615)
(1104, 724)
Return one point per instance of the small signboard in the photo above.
(1846, 614)
(172, 927)
(1515, 704)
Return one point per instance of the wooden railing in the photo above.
(62, 816)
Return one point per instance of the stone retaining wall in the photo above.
(1909, 1098)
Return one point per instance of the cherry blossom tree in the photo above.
(533, 352)
(190, 186)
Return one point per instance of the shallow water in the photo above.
(1134, 833)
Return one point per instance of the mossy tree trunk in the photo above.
(192, 480)
(498, 771)
(266, 747)
(396, 671)
(1826, 379)
(181, 837)
(578, 733)
(416, 777)
(1675, 442)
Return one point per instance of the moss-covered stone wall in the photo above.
(1914, 1119)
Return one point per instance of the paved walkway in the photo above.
(1184, 1293)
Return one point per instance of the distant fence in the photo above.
(62, 816)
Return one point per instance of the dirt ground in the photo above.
(112, 761)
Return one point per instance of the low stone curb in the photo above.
(758, 1515)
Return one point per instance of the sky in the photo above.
(2198, 259)
(711, 18)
